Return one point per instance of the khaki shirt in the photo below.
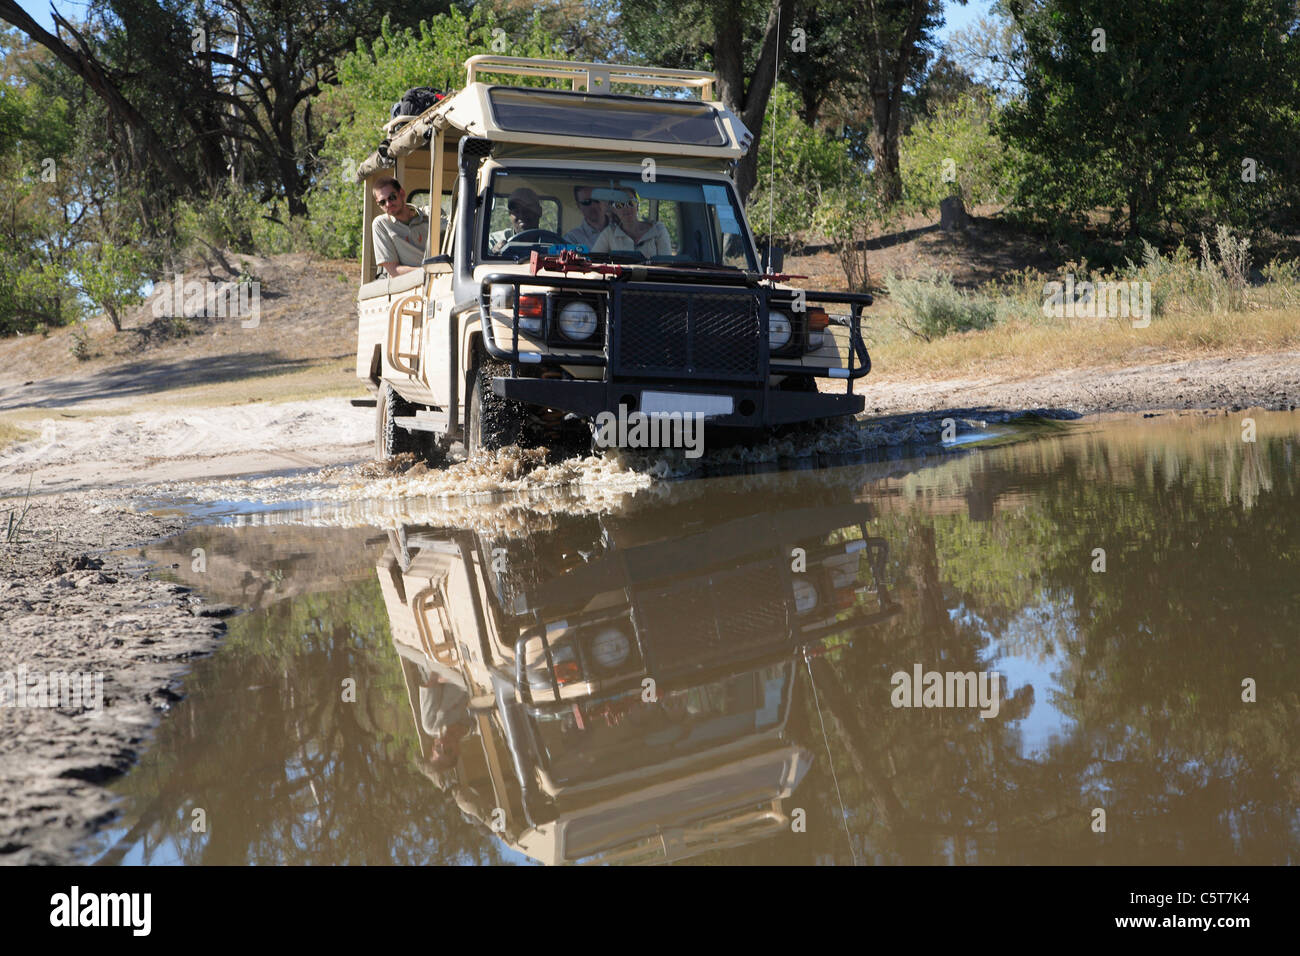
(401, 242)
(656, 242)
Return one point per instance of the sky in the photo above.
(957, 16)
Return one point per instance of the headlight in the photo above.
(805, 596)
(778, 330)
(609, 648)
(815, 340)
(578, 320)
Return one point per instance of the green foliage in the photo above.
(371, 79)
(954, 151)
(70, 240)
(110, 270)
(233, 218)
(1156, 118)
(933, 307)
(808, 168)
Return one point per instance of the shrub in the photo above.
(846, 215)
(234, 218)
(933, 307)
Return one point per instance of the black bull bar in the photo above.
(687, 337)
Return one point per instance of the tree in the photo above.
(897, 35)
(200, 92)
(1154, 109)
(953, 152)
(740, 37)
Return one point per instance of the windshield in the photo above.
(614, 217)
(600, 738)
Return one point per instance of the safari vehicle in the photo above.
(555, 636)
(515, 338)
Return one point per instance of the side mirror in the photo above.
(773, 259)
(437, 265)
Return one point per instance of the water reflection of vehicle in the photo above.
(614, 694)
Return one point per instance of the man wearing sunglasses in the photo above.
(628, 232)
(595, 217)
(401, 232)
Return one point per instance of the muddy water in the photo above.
(736, 670)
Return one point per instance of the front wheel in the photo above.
(493, 422)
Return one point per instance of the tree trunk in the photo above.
(886, 77)
(747, 102)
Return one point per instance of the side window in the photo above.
(448, 234)
(667, 211)
(550, 214)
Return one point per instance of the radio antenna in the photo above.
(771, 178)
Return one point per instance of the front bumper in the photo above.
(754, 407)
(688, 338)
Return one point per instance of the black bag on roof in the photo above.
(415, 101)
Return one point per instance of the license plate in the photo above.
(662, 403)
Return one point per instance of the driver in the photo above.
(525, 214)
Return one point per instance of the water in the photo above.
(369, 707)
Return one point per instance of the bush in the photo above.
(847, 216)
(1216, 282)
(933, 307)
(234, 218)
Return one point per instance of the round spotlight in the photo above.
(778, 330)
(610, 648)
(578, 320)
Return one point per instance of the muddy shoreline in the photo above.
(68, 604)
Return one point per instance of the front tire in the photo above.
(493, 422)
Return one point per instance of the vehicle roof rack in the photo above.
(591, 77)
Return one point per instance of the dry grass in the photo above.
(10, 433)
(1022, 348)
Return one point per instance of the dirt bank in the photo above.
(1270, 381)
(67, 606)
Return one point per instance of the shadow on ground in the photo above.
(147, 377)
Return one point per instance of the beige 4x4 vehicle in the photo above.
(515, 337)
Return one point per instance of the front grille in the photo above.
(710, 334)
(725, 616)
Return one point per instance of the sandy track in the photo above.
(192, 444)
(144, 448)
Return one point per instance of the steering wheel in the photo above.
(530, 236)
